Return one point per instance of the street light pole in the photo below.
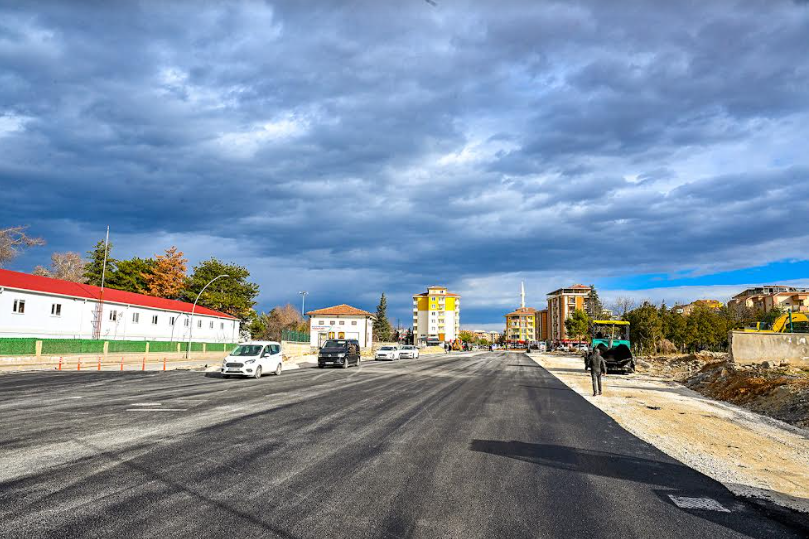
(303, 294)
(194, 308)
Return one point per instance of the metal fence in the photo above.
(18, 347)
(294, 336)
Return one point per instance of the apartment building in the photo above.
(768, 297)
(521, 326)
(543, 331)
(436, 316)
(561, 304)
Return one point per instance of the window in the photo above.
(321, 322)
(154, 320)
(187, 322)
(221, 325)
(19, 306)
(353, 322)
(171, 320)
(113, 316)
(211, 324)
(331, 322)
(56, 309)
(342, 322)
(135, 318)
(199, 323)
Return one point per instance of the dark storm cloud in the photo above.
(398, 145)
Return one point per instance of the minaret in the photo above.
(522, 294)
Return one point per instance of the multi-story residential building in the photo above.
(41, 307)
(561, 304)
(436, 316)
(769, 297)
(521, 326)
(542, 325)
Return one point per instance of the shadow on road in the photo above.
(675, 478)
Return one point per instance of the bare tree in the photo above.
(13, 240)
(623, 304)
(65, 266)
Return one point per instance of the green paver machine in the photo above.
(611, 338)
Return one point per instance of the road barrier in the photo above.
(143, 367)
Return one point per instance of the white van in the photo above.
(253, 358)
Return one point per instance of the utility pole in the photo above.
(100, 309)
(194, 308)
(303, 294)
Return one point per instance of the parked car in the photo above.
(387, 352)
(253, 358)
(408, 351)
(339, 353)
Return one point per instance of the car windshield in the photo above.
(387, 348)
(247, 350)
(335, 344)
(408, 347)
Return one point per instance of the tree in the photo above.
(673, 327)
(467, 336)
(168, 276)
(623, 304)
(130, 275)
(13, 240)
(646, 328)
(95, 264)
(382, 329)
(234, 294)
(594, 307)
(269, 326)
(578, 324)
(65, 266)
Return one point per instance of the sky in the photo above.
(654, 149)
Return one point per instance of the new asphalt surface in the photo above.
(482, 445)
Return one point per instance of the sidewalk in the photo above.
(754, 456)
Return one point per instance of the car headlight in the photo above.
(341, 355)
(250, 361)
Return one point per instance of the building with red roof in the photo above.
(35, 306)
(341, 322)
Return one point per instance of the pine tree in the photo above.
(130, 275)
(95, 265)
(168, 276)
(594, 307)
(382, 329)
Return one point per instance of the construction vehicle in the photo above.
(611, 338)
(788, 322)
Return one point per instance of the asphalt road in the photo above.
(488, 445)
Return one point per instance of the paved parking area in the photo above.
(470, 445)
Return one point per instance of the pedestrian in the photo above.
(446, 348)
(597, 368)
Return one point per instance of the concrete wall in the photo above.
(748, 348)
(291, 349)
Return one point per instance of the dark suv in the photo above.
(339, 353)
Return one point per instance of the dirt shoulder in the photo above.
(752, 455)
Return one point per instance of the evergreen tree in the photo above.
(95, 264)
(382, 329)
(646, 328)
(577, 325)
(594, 307)
(130, 275)
(234, 294)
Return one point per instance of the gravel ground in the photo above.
(753, 455)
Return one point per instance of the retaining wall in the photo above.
(747, 348)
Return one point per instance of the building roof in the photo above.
(446, 294)
(339, 310)
(523, 310)
(578, 287)
(46, 285)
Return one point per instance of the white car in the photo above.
(253, 358)
(387, 352)
(409, 351)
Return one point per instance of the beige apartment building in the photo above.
(561, 304)
(769, 297)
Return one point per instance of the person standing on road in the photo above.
(446, 348)
(597, 368)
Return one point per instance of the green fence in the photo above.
(18, 347)
(27, 346)
(294, 336)
(71, 346)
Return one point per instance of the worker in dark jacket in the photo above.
(597, 368)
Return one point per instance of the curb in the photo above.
(784, 515)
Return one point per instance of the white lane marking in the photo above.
(156, 409)
(707, 504)
(146, 404)
(74, 397)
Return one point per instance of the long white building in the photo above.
(33, 306)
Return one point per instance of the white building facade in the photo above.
(436, 316)
(341, 322)
(40, 307)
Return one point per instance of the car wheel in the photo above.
(345, 363)
(278, 370)
(258, 373)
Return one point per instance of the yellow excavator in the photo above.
(786, 323)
